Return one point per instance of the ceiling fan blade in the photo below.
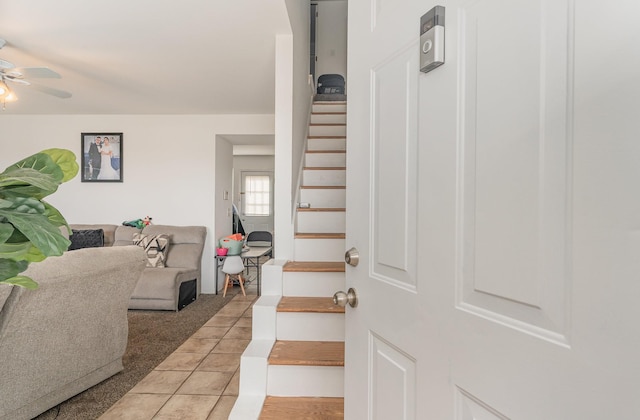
(37, 72)
(51, 91)
(6, 65)
(9, 78)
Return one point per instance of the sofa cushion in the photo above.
(162, 283)
(86, 238)
(156, 248)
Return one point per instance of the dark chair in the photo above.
(260, 238)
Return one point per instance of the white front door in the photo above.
(495, 203)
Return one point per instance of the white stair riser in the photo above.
(327, 130)
(312, 284)
(264, 315)
(324, 177)
(254, 367)
(327, 144)
(329, 107)
(328, 118)
(325, 160)
(324, 198)
(319, 249)
(305, 381)
(304, 326)
(321, 221)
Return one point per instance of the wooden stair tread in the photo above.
(329, 113)
(326, 137)
(327, 124)
(310, 235)
(330, 102)
(323, 305)
(323, 187)
(315, 266)
(307, 408)
(321, 209)
(307, 353)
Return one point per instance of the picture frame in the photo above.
(101, 157)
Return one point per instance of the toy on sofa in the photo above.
(138, 223)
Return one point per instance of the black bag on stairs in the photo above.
(331, 83)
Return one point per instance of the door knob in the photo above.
(352, 257)
(341, 298)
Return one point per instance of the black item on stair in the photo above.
(331, 83)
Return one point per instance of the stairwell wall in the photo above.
(292, 110)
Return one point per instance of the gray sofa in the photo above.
(177, 284)
(70, 333)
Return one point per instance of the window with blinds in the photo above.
(257, 195)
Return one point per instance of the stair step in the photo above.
(326, 137)
(309, 304)
(308, 408)
(328, 130)
(327, 124)
(325, 168)
(314, 266)
(326, 144)
(312, 209)
(307, 353)
(324, 197)
(324, 176)
(322, 158)
(321, 221)
(329, 106)
(312, 278)
(317, 235)
(309, 319)
(323, 187)
(327, 151)
(328, 117)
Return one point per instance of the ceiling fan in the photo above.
(21, 75)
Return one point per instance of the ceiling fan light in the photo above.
(6, 94)
(11, 97)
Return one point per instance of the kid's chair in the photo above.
(233, 266)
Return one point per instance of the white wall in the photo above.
(168, 166)
(224, 183)
(292, 110)
(331, 44)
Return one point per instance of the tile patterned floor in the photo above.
(200, 379)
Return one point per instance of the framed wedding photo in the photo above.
(101, 157)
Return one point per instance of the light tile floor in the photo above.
(200, 379)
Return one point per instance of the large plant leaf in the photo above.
(54, 216)
(23, 281)
(40, 162)
(10, 268)
(28, 181)
(6, 230)
(38, 229)
(15, 252)
(66, 160)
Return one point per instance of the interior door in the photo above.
(494, 203)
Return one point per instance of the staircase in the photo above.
(294, 366)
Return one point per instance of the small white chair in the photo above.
(233, 266)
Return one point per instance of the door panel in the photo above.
(394, 143)
(493, 203)
(515, 164)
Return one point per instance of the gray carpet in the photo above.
(153, 335)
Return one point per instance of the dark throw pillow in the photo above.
(88, 238)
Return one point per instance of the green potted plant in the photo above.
(30, 227)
